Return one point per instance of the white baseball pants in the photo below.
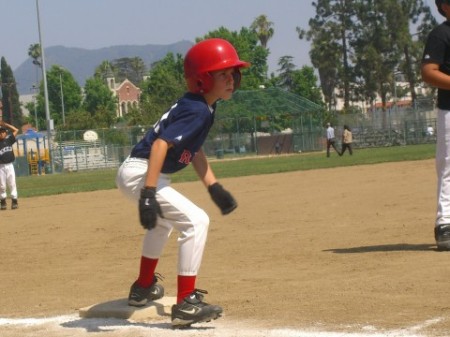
(8, 179)
(443, 167)
(179, 212)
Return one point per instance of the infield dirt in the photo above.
(333, 249)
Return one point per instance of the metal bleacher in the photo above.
(84, 155)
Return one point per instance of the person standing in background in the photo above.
(331, 139)
(435, 71)
(347, 139)
(7, 158)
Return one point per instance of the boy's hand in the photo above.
(149, 208)
(222, 198)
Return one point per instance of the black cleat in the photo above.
(3, 205)
(14, 204)
(442, 236)
(140, 296)
(194, 310)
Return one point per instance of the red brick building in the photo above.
(127, 95)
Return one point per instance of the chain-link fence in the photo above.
(266, 122)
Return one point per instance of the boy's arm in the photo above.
(149, 209)
(434, 77)
(203, 169)
(14, 130)
(155, 162)
(221, 197)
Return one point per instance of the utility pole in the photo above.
(62, 100)
(35, 90)
(44, 77)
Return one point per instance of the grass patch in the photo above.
(84, 181)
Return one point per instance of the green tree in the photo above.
(98, 96)
(12, 112)
(164, 85)
(80, 120)
(357, 46)
(414, 14)
(263, 29)
(34, 51)
(129, 68)
(64, 94)
(105, 70)
(304, 84)
(135, 117)
(332, 28)
(378, 47)
(286, 72)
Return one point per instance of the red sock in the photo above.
(146, 272)
(186, 285)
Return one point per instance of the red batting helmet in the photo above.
(206, 56)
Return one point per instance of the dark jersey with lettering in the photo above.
(186, 126)
(437, 50)
(6, 150)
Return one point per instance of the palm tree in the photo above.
(34, 51)
(263, 28)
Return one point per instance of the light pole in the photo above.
(62, 100)
(397, 72)
(35, 89)
(44, 78)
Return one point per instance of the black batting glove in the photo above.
(149, 208)
(222, 198)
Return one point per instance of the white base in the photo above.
(120, 309)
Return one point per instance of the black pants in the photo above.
(346, 146)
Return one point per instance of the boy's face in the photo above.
(445, 6)
(223, 84)
(2, 134)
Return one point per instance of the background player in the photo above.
(331, 140)
(7, 173)
(211, 70)
(436, 72)
(347, 139)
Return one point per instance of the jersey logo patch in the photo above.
(185, 157)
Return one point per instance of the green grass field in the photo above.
(105, 179)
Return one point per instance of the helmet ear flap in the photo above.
(205, 83)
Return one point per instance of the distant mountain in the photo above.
(82, 62)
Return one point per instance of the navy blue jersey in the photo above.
(6, 150)
(186, 126)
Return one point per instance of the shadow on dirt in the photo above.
(384, 248)
(113, 324)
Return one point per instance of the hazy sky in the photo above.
(93, 24)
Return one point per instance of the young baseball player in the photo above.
(7, 173)
(212, 72)
(436, 72)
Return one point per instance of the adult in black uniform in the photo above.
(436, 72)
